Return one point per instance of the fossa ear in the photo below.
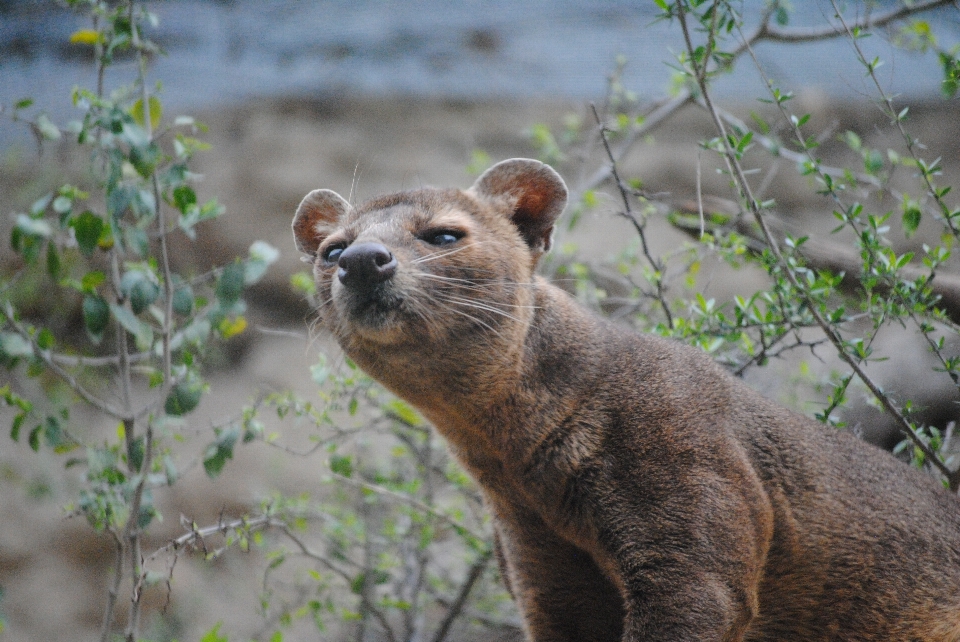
(318, 212)
(531, 192)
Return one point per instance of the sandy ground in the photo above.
(266, 156)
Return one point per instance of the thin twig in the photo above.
(409, 501)
(113, 592)
(455, 609)
(639, 226)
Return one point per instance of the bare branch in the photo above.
(810, 34)
(455, 609)
(114, 591)
(639, 226)
(73, 361)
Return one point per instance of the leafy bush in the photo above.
(105, 254)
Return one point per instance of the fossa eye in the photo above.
(442, 237)
(332, 253)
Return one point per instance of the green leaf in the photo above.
(911, 219)
(34, 439)
(132, 133)
(303, 283)
(230, 285)
(782, 16)
(135, 452)
(319, 372)
(46, 128)
(873, 161)
(231, 327)
(53, 261)
(184, 197)
(87, 229)
(143, 293)
(213, 635)
(183, 300)
(342, 465)
(85, 37)
(262, 254)
(12, 345)
(55, 437)
(137, 241)
(34, 227)
(62, 204)
(102, 464)
(141, 331)
(404, 412)
(209, 210)
(96, 315)
(16, 426)
(170, 470)
(356, 586)
(145, 158)
(155, 108)
(118, 201)
(10, 398)
(377, 577)
(220, 451)
(951, 74)
(91, 280)
(40, 205)
(184, 397)
(45, 339)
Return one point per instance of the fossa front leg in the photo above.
(562, 594)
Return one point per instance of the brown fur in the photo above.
(639, 492)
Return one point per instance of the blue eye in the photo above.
(332, 253)
(442, 237)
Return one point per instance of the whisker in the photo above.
(465, 284)
(478, 306)
(498, 306)
(440, 254)
(475, 282)
(477, 320)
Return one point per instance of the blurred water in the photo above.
(230, 50)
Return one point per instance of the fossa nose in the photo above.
(365, 265)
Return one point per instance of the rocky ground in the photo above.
(266, 155)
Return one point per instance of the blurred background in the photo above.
(366, 97)
(221, 53)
